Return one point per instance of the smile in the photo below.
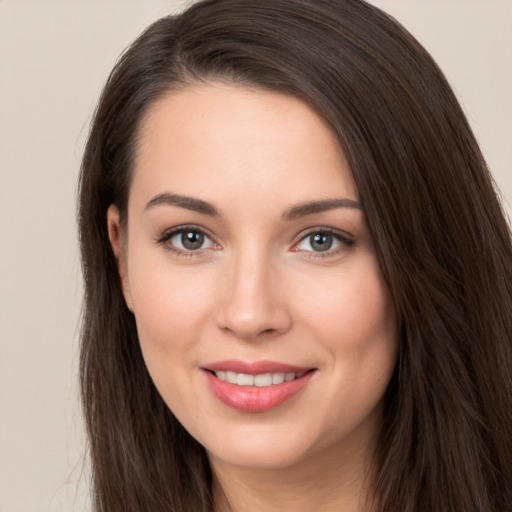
(256, 387)
(260, 380)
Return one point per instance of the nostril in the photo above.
(252, 317)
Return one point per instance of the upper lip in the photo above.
(255, 367)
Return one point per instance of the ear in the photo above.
(117, 241)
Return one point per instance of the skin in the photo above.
(257, 289)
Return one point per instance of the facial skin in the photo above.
(258, 287)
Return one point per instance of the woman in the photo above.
(297, 272)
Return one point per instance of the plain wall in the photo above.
(54, 58)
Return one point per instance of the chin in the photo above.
(264, 447)
(288, 443)
(258, 456)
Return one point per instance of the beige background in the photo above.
(54, 57)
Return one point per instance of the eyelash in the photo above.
(344, 240)
(169, 234)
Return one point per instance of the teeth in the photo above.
(231, 377)
(261, 380)
(277, 378)
(242, 379)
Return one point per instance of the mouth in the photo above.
(256, 387)
(260, 380)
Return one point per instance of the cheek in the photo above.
(354, 324)
(352, 309)
(354, 320)
(171, 306)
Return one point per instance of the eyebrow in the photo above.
(325, 205)
(298, 211)
(189, 203)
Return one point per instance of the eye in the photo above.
(189, 240)
(323, 241)
(185, 240)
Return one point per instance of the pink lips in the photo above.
(253, 398)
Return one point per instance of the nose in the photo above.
(253, 305)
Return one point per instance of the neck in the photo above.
(329, 480)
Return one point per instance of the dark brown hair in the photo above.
(441, 238)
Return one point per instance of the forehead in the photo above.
(216, 140)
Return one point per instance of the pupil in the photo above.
(321, 242)
(192, 240)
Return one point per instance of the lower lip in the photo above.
(253, 398)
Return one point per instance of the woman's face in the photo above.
(262, 314)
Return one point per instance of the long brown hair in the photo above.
(441, 238)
